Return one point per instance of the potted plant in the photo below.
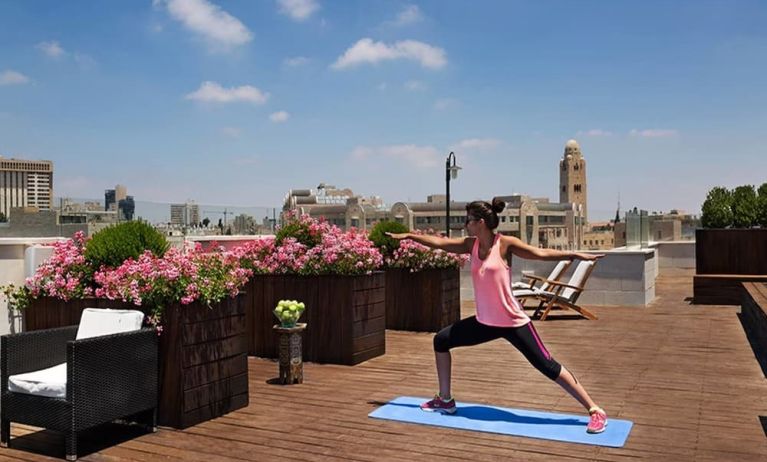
(333, 271)
(422, 284)
(730, 248)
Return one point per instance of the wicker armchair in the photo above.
(108, 377)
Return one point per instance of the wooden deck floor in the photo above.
(684, 374)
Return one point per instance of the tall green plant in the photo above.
(385, 244)
(113, 245)
(744, 206)
(717, 209)
(761, 217)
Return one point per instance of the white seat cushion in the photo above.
(51, 382)
(520, 285)
(96, 322)
(526, 292)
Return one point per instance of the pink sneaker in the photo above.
(439, 405)
(597, 421)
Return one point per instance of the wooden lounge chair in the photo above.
(532, 280)
(562, 295)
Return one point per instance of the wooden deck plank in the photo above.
(684, 374)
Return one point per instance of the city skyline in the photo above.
(233, 102)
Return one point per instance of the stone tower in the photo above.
(572, 177)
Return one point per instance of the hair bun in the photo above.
(498, 205)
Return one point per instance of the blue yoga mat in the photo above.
(517, 422)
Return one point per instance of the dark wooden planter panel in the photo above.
(345, 316)
(203, 354)
(724, 259)
(731, 251)
(424, 301)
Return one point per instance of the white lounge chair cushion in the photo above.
(520, 285)
(51, 382)
(96, 322)
(527, 292)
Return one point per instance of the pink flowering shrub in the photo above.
(417, 257)
(317, 248)
(183, 276)
(65, 275)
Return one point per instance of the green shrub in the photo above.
(762, 206)
(744, 207)
(385, 244)
(115, 244)
(717, 209)
(299, 228)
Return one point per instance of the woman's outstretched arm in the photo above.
(526, 251)
(455, 245)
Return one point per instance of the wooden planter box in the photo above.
(203, 356)
(731, 251)
(724, 259)
(424, 301)
(345, 315)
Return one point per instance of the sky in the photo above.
(235, 102)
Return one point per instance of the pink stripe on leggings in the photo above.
(538, 341)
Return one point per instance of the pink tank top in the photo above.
(496, 306)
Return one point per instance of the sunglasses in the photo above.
(470, 219)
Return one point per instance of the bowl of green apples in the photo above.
(288, 312)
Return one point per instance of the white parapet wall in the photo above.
(621, 278)
(19, 257)
(675, 254)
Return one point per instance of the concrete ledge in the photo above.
(622, 277)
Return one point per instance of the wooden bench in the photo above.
(754, 317)
(722, 289)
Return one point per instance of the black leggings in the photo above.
(469, 331)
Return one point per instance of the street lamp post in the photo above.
(451, 171)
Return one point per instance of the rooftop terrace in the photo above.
(684, 374)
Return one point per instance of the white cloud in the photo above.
(10, 77)
(368, 51)
(296, 62)
(411, 14)
(298, 10)
(416, 156)
(84, 61)
(233, 132)
(415, 85)
(279, 117)
(654, 133)
(444, 104)
(596, 132)
(212, 92)
(51, 49)
(476, 144)
(209, 21)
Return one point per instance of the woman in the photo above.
(499, 314)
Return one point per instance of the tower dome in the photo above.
(572, 149)
(572, 144)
